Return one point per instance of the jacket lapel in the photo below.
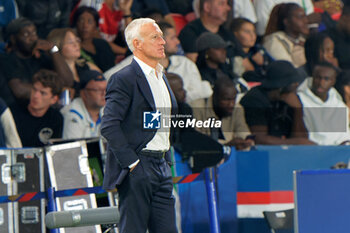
(144, 86)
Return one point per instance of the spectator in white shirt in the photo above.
(82, 117)
(325, 114)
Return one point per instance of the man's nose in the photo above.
(323, 82)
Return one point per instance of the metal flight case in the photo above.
(6, 209)
(68, 168)
(22, 171)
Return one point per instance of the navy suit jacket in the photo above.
(128, 96)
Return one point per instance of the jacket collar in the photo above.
(146, 90)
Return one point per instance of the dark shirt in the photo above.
(13, 67)
(138, 6)
(81, 67)
(104, 57)
(341, 47)
(194, 29)
(36, 131)
(258, 69)
(46, 15)
(182, 7)
(5, 92)
(211, 75)
(184, 113)
(259, 110)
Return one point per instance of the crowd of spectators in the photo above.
(275, 69)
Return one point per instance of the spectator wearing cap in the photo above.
(82, 117)
(38, 122)
(212, 57)
(273, 110)
(28, 55)
(324, 113)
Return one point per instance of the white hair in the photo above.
(132, 31)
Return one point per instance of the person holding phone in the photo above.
(273, 110)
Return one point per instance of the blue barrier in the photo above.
(210, 174)
(322, 201)
(250, 182)
(194, 206)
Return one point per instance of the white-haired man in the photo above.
(138, 157)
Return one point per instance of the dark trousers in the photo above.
(146, 200)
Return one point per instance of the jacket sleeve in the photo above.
(118, 100)
(11, 136)
(277, 47)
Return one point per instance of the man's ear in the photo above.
(137, 44)
(206, 6)
(54, 99)
(13, 40)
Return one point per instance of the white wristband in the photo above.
(54, 49)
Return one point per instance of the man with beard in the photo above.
(28, 54)
(82, 117)
(273, 110)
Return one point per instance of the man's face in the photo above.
(26, 39)
(298, 22)
(41, 97)
(86, 25)
(177, 87)
(225, 101)
(94, 94)
(323, 79)
(217, 55)
(152, 45)
(218, 10)
(171, 41)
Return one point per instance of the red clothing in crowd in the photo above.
(110, 22)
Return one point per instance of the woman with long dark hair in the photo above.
(319, 47)
(285, 33)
